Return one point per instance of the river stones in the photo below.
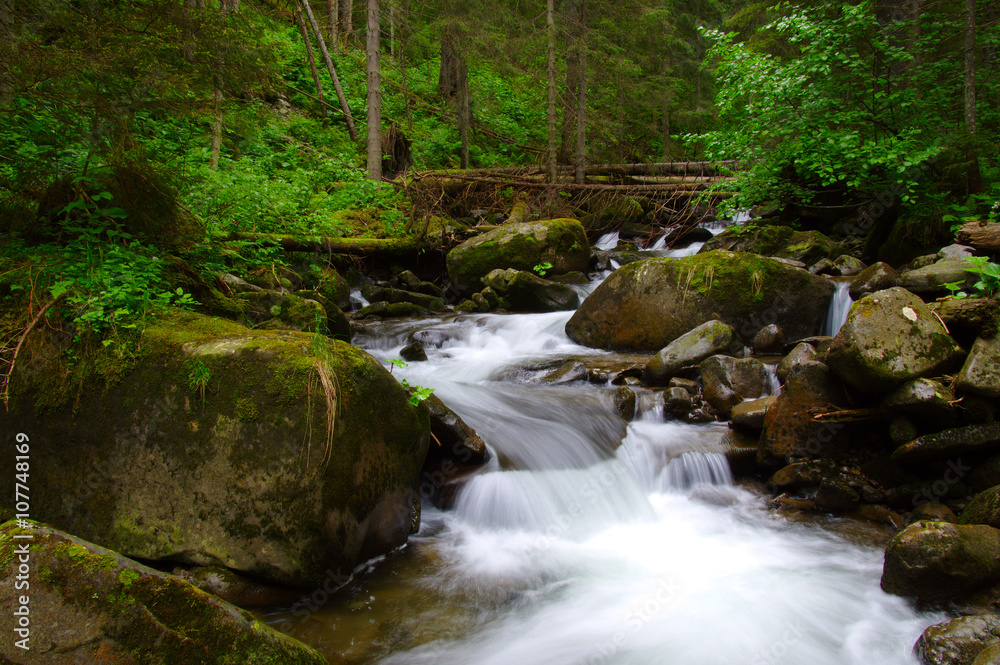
(949, 443)
(957, 641)
(931, 279)
(560, 243)
(801, 353)
(981, 372)
(877, 277)
(924, 401)
(848, 265)
(375, 293)
(807, 247)
(92, 605)
(769, 340)
(938, 562)
(691, 348)
(983, 509)
(727, 381)
(969, 318)
(301, 455)
(891, 337)
(273, 310)
(648, 304)
(526, 292)
(750, 414)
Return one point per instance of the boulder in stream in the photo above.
(526, 292)
(90, 605)
(708, 339)
(958, 641)
(727, 381)
(876, 277)
(648, 304)
(278, 454)
(983, 509)
(783, 242)
(980, 374)
(890, 337)
(560, 243)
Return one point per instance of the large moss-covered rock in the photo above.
(931, 279)
(523, 291)
(275, 310)
(924, 401)
(984, 438)
(789, 429)
(890, 337)
(981, 372)
(937, 561)
(983, 509)
(648, 304)
(781, 241)
(957, 641)
(876, 277)
(277, 454)
(559, 242)
(89, 605)
(691, 348)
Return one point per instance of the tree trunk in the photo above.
(572, 87)
(333, 18)
(216, 149)
(550, 20)
(7, 35)
(974, 178)
(392, 28)
(374, 92)
(581, 106)
(665, 110)
(984, 237)
(464, 112)
(333, 72)
(312, 61)
(347, 19)
(450, 63)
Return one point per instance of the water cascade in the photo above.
(592, 540)
(840, 305)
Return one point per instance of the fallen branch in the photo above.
(20, 343)
(849, 415)
(350, 246)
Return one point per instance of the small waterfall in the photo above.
(840, 305)
(607, 242)
(773, 383)
(357, 300)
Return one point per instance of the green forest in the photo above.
(131, 128)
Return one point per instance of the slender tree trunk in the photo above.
(216, 149)
(975, 182)
(374, 92)
(333, 72)
(392, 28)
(550, 20)
(464, 112)
(7, 35)
(333, 18)
(572, 86)
(581, 107)
(665, 111)
(312, 61)
(347, 19)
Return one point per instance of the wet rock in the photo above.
(456, 441)
(925, 402)
(384, 310)
(280, 471)
(677, 402)
(701, 414)
(931, 279)
(235, 588)
(568, 372)
(728, 381)
(889, 338)
(625, 402)
(847, 265)
(990, 655)
(750, 414)
(969, 318)
(877, 277)
(882, 515)
(980, 374)
(800, 354)
(902, 430)
(93, 605)
(740, 449)
(950, 443)
(713, 495)
(708, 339)
(769, 340)
(560, 242)
(413, 352)
(687, 384)
(821, 343)
(526, 292)
(375, 293)
(648, 304)
(957, 641)
(955, 252)
(784, 242)
(934, 512)
(823, 267)
(800, 475)
(789, 430)
(911, 495)
(939, 562)
(983, 509)
(836, 496)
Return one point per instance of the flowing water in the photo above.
(839, 308)
(589, 540)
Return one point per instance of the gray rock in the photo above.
(957, 641)
(937, 561)
(677, 402)
(925, 402)
(728, 381)
(848, 266)
(413, 352)
(800, 354)
(708, 339)
(980, 374)
(92, 605)
(983, 509)
(625, 402)
(889, 338)
(931, 279)
(877, 277)
(769, 340)
(750, 414)
(950, 443)
(955, 252)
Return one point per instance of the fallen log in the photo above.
(349, 246)
(984, 236)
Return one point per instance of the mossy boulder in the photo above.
(559, 242)
(877, 277)
(378, 293)
(957, 641)
(931, 279)
(648, 304)
(728, 381)
(523, 291)
(708, 339)
(780, 241)
(890, 337)
(274, 310)
(940, 562)
(983, 509)
(924, 401)
(91, 605)
(984, 438)
(980, 374)
(278, 454)
(801, 353)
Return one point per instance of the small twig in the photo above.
(20, 343)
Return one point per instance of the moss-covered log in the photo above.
(352, 246)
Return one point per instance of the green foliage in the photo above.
(980, 206)
(198, 376)
(542, 268)
(988, 272)
(417, 393)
